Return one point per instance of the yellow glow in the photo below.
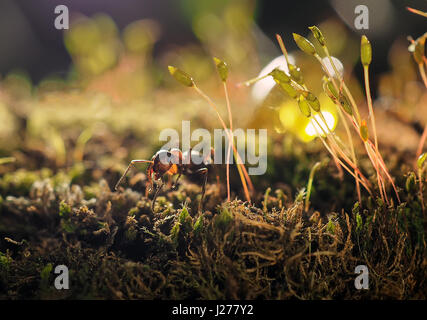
(313, 128)
(289, 114)
(295, 122)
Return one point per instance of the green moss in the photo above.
(223, 219)
(359, 223)
(198, 226)
(64, 209)
(68, 226)
(133, 211)
(61, 178)
(60, 206)
(410, 184)
(175, 233)
(46, 272)
(18, 182)
(331, 227)
(91, 191)
(5, 260)
(76, 172)
(185, 220)
(131, 234)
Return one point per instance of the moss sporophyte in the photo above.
(222, 68)
(334, 86)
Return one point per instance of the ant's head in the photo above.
(165, 162)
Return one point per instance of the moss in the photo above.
(131, 227)
(198, 226)
(5, 260)
(359, 223)
(45, 275)
(215, 255)
(410, 184)
(18, 182)
(223, 219)
(133, 211)
(175, 232)
(185, 220)
(76, 172)
(58, 204)
(91, 191)
(64, 209)
(330, 227)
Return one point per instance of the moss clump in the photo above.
(239, 251)
(18, 182)
(5, 260)
(223, 219)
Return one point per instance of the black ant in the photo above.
(172, 162)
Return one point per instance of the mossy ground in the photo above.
(72, 139)
(116, 247)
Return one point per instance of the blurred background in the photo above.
(28, 39)
(100, 92)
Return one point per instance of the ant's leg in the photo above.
(155, 196)
(176, 181)
(149, 185)
(205, 179)
(189, 156)
(209, 159)
(131, 164)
